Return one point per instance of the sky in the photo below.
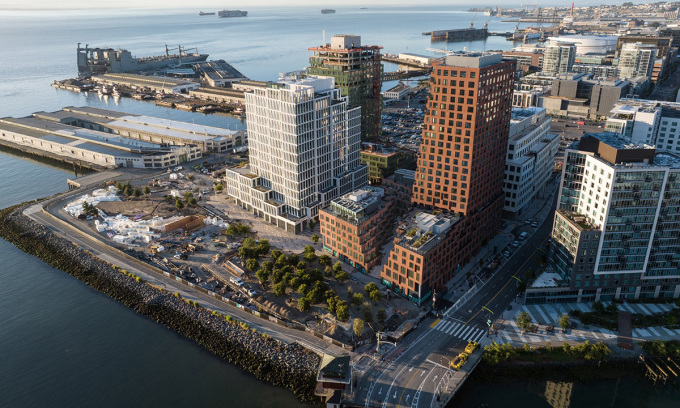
(221, 4)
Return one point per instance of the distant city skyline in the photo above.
(220, 4)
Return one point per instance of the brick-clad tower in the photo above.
(465, 139)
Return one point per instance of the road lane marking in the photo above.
(405, 388)
(435, 323)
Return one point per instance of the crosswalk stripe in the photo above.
(444, 326)
(559, 337)
(553, 313)
(546, 319)
(644, 309)
(526, 309)
(594, 335)
(452, 328)
(506, 336)
(677, 331)
(469, 336)
(628, 307)
(464, 332)
(656, 333)
(636, 333)
(582, 307)
(481, 335)
(670, 332)
(663, 307)
(654, 308)
(458, 330)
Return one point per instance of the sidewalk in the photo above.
(537, 210)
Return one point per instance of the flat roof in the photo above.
(171, 128)
(145, 79)
(219, 70)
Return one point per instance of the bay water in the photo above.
(65, 345)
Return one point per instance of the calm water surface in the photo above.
(65, 345)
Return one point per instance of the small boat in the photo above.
(104, 90)
(201, 13)
(239, 111)
(327, 11)
(115, 92)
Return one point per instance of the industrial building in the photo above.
(148, 83)
(304, 145)
(460, 173)
(355, 226)
(218, 73)
(218, 94)
(151, 129)
(589, 44)
(615, 233)
(357, 72)
(400, 91)
(60, 134)
(530, 160)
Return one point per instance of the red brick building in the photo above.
(461, 164)
(356, 225)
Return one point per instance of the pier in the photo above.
(395, 76)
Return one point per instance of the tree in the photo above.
(370, 287)
(295, 283)
(263, 247)
(179, 204)
(528, 275)
(192, 202)
(315, 238)
(304, 304)
(368, 315)
(524, 321)
(312, 224)
(219, 187)
(332, 302)
(293, 259)
(342, 276)
(337, 267)
(303, 289)
(268, 266)
(262, 275)
(128, 190)
(276, 254)
(342, 310)
(147, 190)
(598, 307)
(252, 264)
(310, 257)
(302, 265)
(137, 193)
(324, 260)
(565, 322)
(381, 315)
(375, 295)
(328, 271)
(358, 327)
(280, 289)
(187, 195)
(357, 299)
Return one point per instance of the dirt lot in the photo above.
(148, 208)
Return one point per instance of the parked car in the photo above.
(236, 281)
(251, 292)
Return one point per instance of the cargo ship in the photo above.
(202, 13)
(232, 13)
(327, 11)
(93, 61)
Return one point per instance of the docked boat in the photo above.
(327, 11)
(108, 60)
(104, 90)
(232, 13)
(239, 111)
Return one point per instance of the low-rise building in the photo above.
(656, 123)
(425, 255)
(219, 94)
(529, 98)
(88, 145)
(531, 153)
(150, 83)
(583, 96)
(383, 161)
(356, 225)
(398, 92)
(218, 73)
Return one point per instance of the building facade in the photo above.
(459, 173)
(358, 73)
(656, 123)
(399, 186)
(530, 160)
(356, 225)
(558, 58)
(383, 161)
(304, 145)
(637, 60)
(616, 230)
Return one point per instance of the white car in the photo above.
(251, 292)
(236, 281)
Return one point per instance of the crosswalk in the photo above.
(550, 314)
(459, 330)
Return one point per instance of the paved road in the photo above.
(414, 373)
(114, 256)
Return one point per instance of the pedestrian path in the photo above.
(459, 330)
(547, 314)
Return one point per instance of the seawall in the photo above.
(286, 365)
(49, 158)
